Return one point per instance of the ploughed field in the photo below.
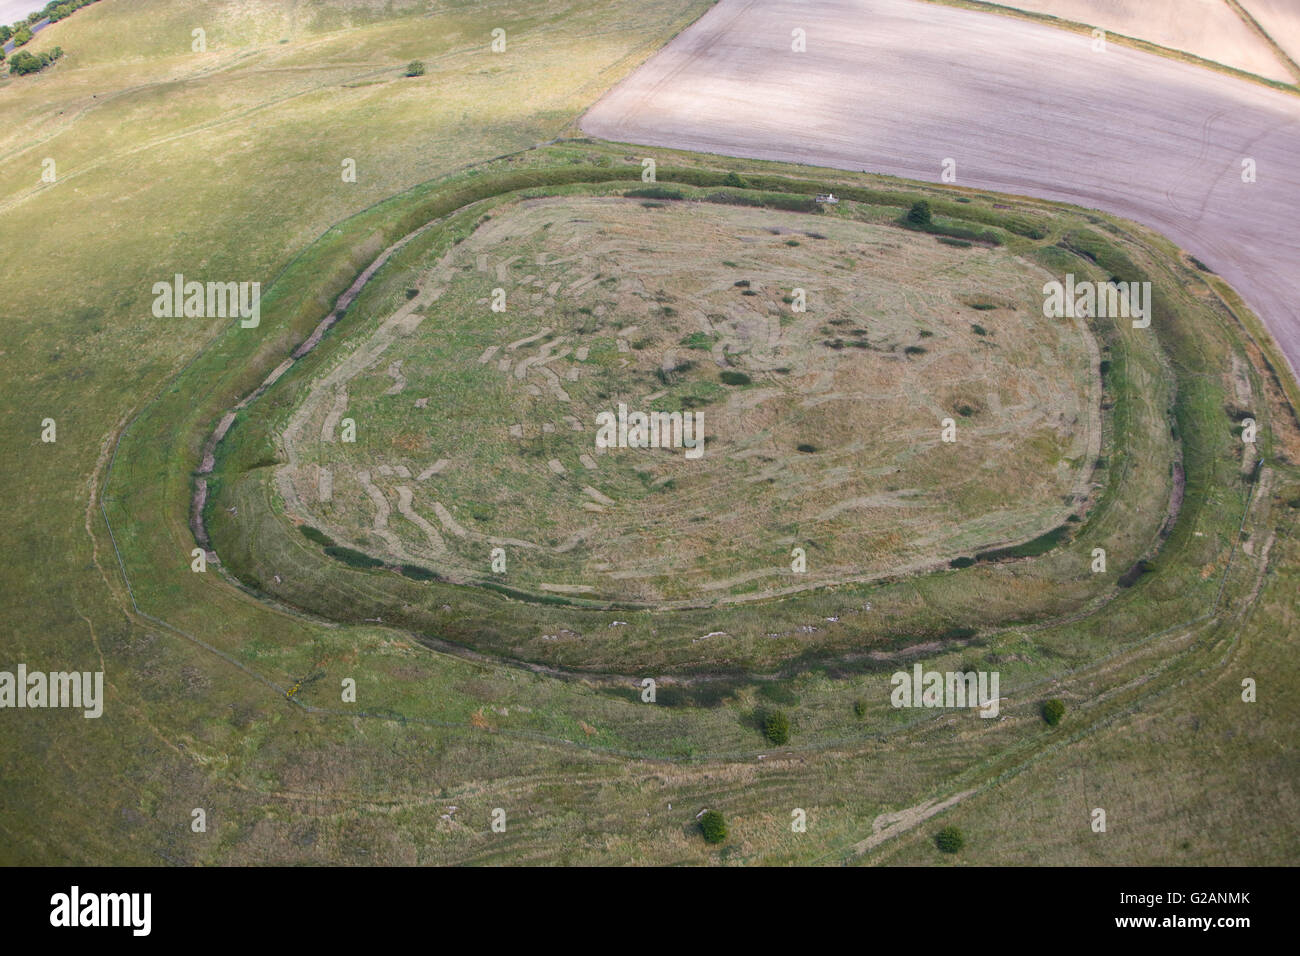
(662, 403)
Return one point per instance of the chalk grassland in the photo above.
(197, 676)
(1131, 505)
(270, 552)
(478, 427)
(533, 724)
(217, 165)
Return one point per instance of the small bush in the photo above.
(714, 826)
(734, 180)
(962, 562)
(958, 243)
(415, 68)
(914, 350)
(417, 573)
(352, 557)
(919, 214)
(776, 727)
(859, 708)
(1053, 711)
(1133, 574)
(949, 840)
(806, 448)
(734, 378)
(979, 329)
(316, 535)
(653, 192)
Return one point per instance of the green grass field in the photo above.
(224, 688)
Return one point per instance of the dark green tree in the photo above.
(24, 62)
(776, 727)
(713, 826)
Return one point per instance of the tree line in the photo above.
(24, 61)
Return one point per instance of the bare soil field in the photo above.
(1206, 28)
(1280, 20)
(821, 427)
(897, 87)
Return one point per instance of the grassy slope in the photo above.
(184, 729)
(223, 163)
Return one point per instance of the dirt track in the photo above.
(896, 86)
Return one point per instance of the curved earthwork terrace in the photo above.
(475, 429)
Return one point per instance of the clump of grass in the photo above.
(730, 377)
(979, 329)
